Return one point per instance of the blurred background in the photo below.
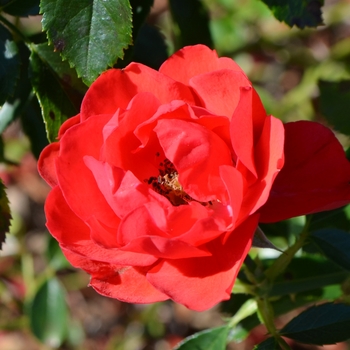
(44, 302)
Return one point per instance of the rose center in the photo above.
(167, 184)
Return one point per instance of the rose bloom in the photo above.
(159, 183)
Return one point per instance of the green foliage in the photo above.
(193, 22)
(307, 273)
(335, 244)
(48, 313)
(9, 65)
(323, 324)
(268, 344)
(22, 94)
(55, 102)
(301, 13)
(82, 29)
(150, 48)
(212, 339)
(21, 8)
(335, 104)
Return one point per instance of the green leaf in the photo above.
(55, 101)
(22, 8)
(302, 13)
(210, 339)
(90, 34)
(48, 313)
(268, 344)
(34, 127)
(150, 48)
(193, 22)
(140, 11)
(305, 273)
(335, 103)
(320, 325)
(9, 65)
(283, 305)
(335, 244)
(22, 94)
(337, 218)
(55, 256)
(5, 215)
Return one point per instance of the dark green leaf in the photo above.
(323, 324)
(34, 127)
(68, 76)
(9, 65)
(337, 218)
(304, 284)
(268, 344)
(302, 13)
(140, 11)
(335, 104)
(22, 95)
(22, 8)
(5, 215)
(210, 339)
(150, 48)
(335, 244)
(307, 273)
(90, 34)
(48, 313)
(55, 256)
(193, 21)
(55, 102)
(283, 305)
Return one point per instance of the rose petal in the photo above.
(219, 91)
(197, 154)
(200, 283)
(68, 124)
(129, 285)
(46, 163)
(120, 145)
(315, 177)
(233, 181)
(195, 60)
(115, 88)
(269, 159)
(246, 125)
(74, 235)
(172, 232)
(125, 283)
(75, 179)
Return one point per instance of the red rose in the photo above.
(157, 185)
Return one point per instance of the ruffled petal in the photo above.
(74, 236)
(197, 154)
(200, 283)
(120, 145)
(315, 177)
(46, 163)
(195, 60)
(172, 233)
(269, 159)
(234, 185)
(68, 124)
(75, 178)
(124, 283)
(219, 91)
(115, 88)
(246, 126)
